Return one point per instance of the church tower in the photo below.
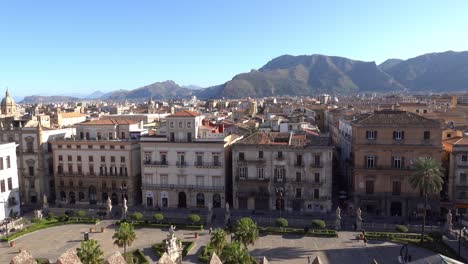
(8, 106)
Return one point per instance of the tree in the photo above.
(428, 178)
(158, 217)
(124, 236)
(235, 253)
(218, 240)
(246, 231)
(137, 216)
(281, 223)
(90, 252)
(193, 218)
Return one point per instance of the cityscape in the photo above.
(307, 159)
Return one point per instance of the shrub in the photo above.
(81, 213)
(42, 261)
(158, 217)
(50, 216)
(63, 218)
(137, 216)
(281, 222)
(401, 228)
(37, 220)
(320, 224)
(193, 218)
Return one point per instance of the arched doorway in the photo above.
(182, 200)
(92, 195)
(216, 200)
(63, 196)
(200, 200)
(114, 199)
(72, 199)
(395, 209)
(104, 197)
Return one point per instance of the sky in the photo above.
(78, 47)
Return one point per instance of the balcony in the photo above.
(299, 164)
(254, 160)
(256, 179)
(279, 157)
(305, 181)
(184, 186)
(181, 164)
(207, 164)
(149, 163)
(406, 168)
(316, 165)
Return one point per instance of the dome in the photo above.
(8, 100)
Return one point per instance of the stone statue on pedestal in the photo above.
(227, 215)
(173, 246)
(448, 223)
(45, 204)
(210, 213)
(108, 207)
(124, 209)
(358, 219)
(338, 218)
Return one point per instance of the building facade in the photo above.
(102, 161)
(385, 144)
(283, 171)
(9, 182)
(185, 166)
(456, 157)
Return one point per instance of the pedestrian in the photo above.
(211, 229)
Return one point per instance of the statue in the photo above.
(227, 215)
(210, 213)
(45, 204)
(448, 224)
(108, 206)
(124, 209)
(338, 218)
(227, 207)
(358, 219)
(173, 246)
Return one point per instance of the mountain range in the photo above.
(309, 75)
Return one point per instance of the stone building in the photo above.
(385, 144)
(283, 171)
(8, 106)
(185, 165)
(9, 182)
(102, 161)
(34, 155)
(456, 160)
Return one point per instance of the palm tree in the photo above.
(246, 231)
(124, 236)
(429, 179)
(90, 252)
(235, 253)
(218, 240)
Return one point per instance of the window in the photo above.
(316, 193)
(60, 169)
(199, 161)
(122, 147)
(371, 134)
(317, 177)
(90, 158)
(10, 184)
(80, 170)
(69, 158)
(242, 173)
(59, 146)
(261, 173)
(396, 188)
(122, 159)
(113, 159)
(463, 178)
(260, 154)
(449, 135)
(98, 135)
(163, 159)
(172, 137)
(90, 146)
(31, 171)
(189, 137)
(397, 162)
(8, 162)
(171, 124)
(147, 157)
(427, 135)
(189, 124)
(317, 160)
(464, 157)
(112, 147)
(180, 124)
(78, 158)
(241, 156)
(369, 187)
(68, 146)
(298, 193)
(182, 179)
(217, 181)
(298, 176)
(216, 160)
(200, 180)
(103, 158)
(78, 146)
(122, 135)
(91, 169)
(398, 135)
(102, 147)
(60, 158)
(111, 135)
(370, 162)
(299, 160)
(29, 146)
(1, 163)
(181, 158)
(2, 186)
(70, 169)
(280, 155)
(164, 179)
(279, 174)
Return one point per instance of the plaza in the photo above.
(52, 242)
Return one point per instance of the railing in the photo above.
(278, 157)
(300, 165)
(247, 179)
(316, 165)
(407, 168)
(207, 164)
(156, 163)
(181, 164)
(183, 186)
(258, 160)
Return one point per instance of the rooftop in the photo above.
(394, 117)
(109, 122)
(185, 113)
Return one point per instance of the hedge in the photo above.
(206, 253)
(136, 255)
(298, 231)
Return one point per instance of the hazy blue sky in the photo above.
(58, 47)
